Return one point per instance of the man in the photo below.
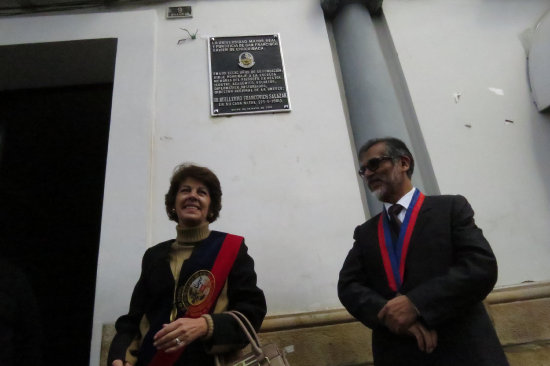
(417, 274)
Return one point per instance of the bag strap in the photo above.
(252, 338)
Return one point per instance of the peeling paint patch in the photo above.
(289, 349)
(456, 96)
(497, 91)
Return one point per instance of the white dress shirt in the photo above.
(404, 201)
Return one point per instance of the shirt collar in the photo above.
(404, 201)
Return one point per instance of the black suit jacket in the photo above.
(450, 268)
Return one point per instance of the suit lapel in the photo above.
(421, 221)
(424, 217)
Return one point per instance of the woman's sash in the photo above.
(395, 254)
(202, 287)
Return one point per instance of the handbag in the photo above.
(261, 355)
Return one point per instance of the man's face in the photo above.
(387, 180)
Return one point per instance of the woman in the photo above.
(185, 284)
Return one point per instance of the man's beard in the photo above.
(379, 192)
(383, 190)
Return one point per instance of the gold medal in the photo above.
(198, 288)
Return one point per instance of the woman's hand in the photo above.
(121, 363)
(179, 333)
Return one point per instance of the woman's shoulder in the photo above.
(222, 233)
(158, 252)
(219, 236)
(162, 245)
(160, 249)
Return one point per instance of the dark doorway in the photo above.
(53, 152)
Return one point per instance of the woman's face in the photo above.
(192, 203)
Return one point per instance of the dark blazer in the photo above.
(450, 268)
(153, 298)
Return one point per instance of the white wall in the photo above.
(288, 179)
(474, 47)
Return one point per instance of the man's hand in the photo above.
(179, 333)
(425, 338)
(398, 314)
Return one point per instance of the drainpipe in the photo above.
(376, 93)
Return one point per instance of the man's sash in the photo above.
(197, 303)
(395, 254)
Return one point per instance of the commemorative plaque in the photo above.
(247, 75)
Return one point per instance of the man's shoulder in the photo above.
(440, 206)
(444, 199)
(370, 224)
(372, 221)
(443, 196)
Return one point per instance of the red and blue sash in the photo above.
(395, 254)
(221, 267)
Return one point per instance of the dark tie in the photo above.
(395, 223)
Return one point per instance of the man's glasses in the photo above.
(373, 164)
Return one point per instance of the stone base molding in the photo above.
(521, 315)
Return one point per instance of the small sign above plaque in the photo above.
(179, 12)
(247, 75)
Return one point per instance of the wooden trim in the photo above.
(273, 323)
